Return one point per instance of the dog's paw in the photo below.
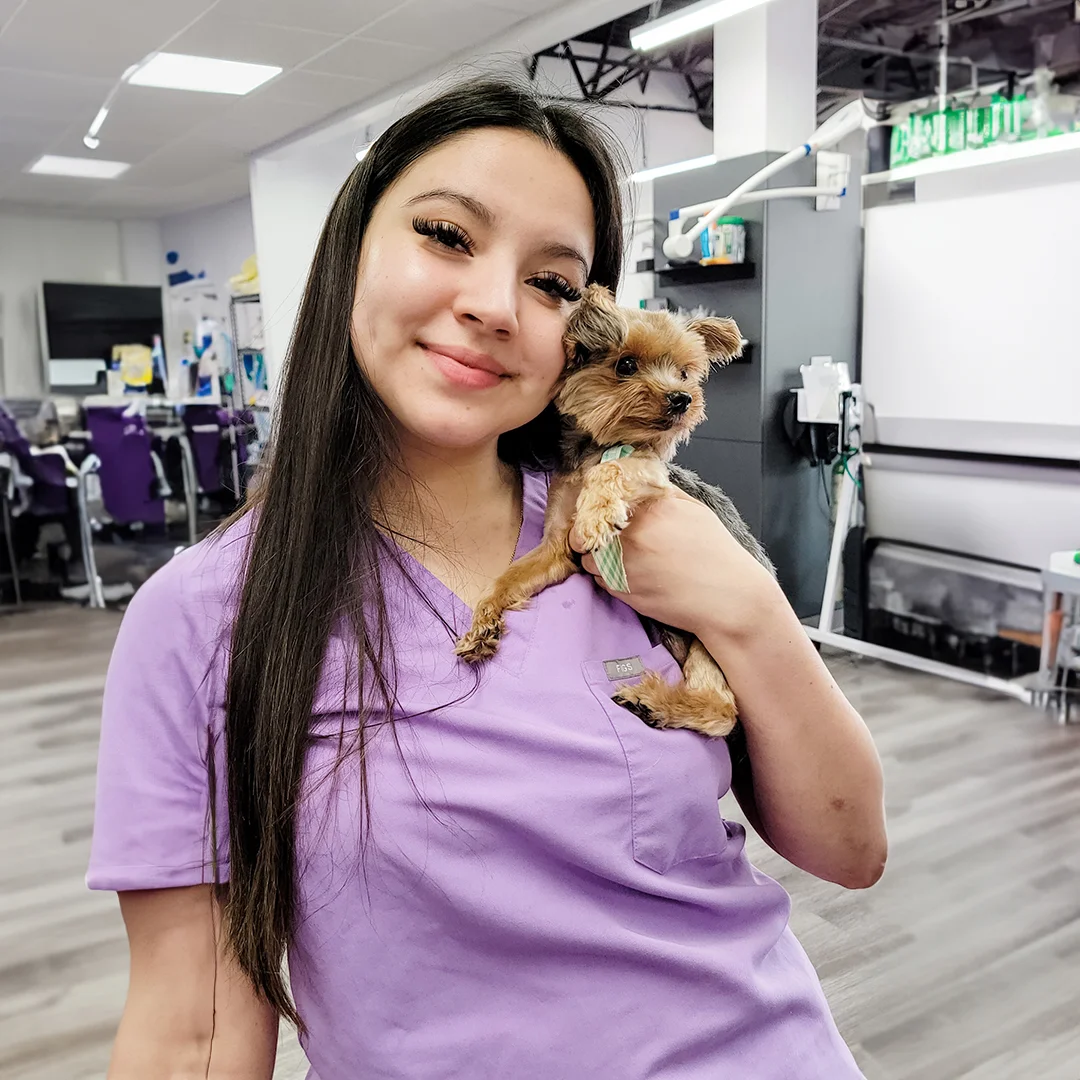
(629, 701)
(717, 725)
(597, 530)
(481, 642)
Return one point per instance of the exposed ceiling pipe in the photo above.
(943, 59)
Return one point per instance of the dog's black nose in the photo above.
(678, 403)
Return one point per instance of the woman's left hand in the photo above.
(685, 569)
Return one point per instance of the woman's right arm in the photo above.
(190, 1011)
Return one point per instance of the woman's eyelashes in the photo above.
(556, 285)
(454, 238)
(445, 233)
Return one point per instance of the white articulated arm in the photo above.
(852, 117)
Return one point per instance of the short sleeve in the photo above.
(160, 728)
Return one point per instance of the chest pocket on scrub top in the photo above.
(676, 776)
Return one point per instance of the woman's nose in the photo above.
(489, 299)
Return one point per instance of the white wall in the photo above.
(216, 239)
(37, 248)
(290, 196)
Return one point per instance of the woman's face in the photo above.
(467, 271)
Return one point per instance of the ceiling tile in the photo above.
(317, 88)
(251, 42)
(382, 60)
(16, 156)
(7, 9)
(78, 37)
(30, 130)
(31, 93)
(327, 16)
(255, 123)
(449, 25)
(226, 184)
(52, 189)
(531, 7)
(126, 199)
(60, 58)
(183, 161)
(151, 115)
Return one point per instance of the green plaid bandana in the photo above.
(609, 557)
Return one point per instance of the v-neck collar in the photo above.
(520, 624)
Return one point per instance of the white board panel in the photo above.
(969, 318)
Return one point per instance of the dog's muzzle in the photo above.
(678, 403)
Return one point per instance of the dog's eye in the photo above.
(626, 367)
(682, 375)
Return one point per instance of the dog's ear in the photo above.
(596, 325)
(722, 338)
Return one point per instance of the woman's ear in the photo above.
(596, 326)
(722, 338)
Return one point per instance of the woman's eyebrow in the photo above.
(475, 207)
(565, 251)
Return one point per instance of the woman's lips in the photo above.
(463, 367)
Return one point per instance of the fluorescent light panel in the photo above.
(176, 71)
(696, 17)
(85, 168)
(363, 152)
(670, 170)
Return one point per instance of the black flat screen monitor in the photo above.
(84, 322)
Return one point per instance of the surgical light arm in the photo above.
(852, 117)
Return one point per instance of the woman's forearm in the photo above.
(816, 777)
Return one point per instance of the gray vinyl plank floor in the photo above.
(963, 963)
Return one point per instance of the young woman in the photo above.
(474, 874)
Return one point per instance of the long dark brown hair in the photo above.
(314, 554)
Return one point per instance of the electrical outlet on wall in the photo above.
(833, 171)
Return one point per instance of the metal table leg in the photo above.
(11, 549)
(191, 484)
(90, 464)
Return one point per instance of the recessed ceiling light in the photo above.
(175, 71)
(363, 152)
(88, 168)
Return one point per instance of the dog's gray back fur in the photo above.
(722, 506)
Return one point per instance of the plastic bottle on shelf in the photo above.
(724, 242)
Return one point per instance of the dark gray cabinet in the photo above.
(802, 301)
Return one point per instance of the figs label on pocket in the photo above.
(624, 669)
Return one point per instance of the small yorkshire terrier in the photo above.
(632, 379)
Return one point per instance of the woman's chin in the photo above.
(452, 435)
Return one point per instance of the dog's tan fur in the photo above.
(601, 409)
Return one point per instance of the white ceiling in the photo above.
(59, 59)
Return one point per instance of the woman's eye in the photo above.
(445, 233)
(626, 367)
(554, 285)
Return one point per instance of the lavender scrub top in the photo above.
(569, 904)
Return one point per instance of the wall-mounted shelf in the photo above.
(1003, 154)
(695, 274)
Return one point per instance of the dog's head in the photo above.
(636, 376)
